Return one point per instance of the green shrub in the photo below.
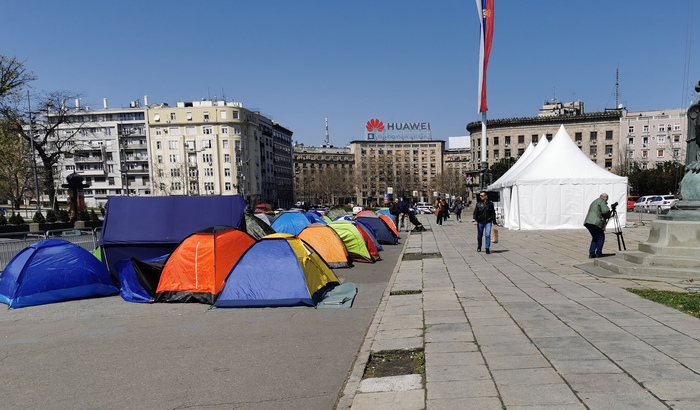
(93, 215)
(38, 218)
(63, 215)
(16, 219)
(51, 216)
(83, 215)
(3, 220)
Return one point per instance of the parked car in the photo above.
(642, 204)
(425, 209)
(661, 203)
(631, 200)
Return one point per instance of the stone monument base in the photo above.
(672, 250)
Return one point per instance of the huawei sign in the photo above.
(375, 125)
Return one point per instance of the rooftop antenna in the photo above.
(617, 87)
(328, 138)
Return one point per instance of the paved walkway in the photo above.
(524, 328)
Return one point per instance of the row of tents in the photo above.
(280, 262)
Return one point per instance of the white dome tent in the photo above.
(555, 189)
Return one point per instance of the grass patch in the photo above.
(405, 292)
(395, 363)
(420, 256)
(687, 302)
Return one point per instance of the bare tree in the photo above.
(14, 77)
(15, 165)
(53, 129)
(170, 180)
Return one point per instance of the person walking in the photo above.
(406, 211)
(441, 211)
(596, 219)
(484, 217)
(458, 206)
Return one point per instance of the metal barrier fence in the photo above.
(12, 244)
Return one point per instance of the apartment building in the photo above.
(110, 151)
(651, 137)
(193, 148)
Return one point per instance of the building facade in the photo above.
(652, 137)
(324, 174)
(194, 148)
(597, 134)
(110, 151)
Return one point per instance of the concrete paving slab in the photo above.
(391, 383)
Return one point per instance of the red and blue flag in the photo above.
(485, 9)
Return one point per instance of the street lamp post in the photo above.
(33, 148)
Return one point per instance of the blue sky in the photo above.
(396, 60)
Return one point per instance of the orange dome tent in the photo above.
(196, 270)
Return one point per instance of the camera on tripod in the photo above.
(613, 208)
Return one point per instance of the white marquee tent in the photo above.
(556, 187)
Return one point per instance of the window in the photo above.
(676, 152)
(645, 141)
(676, 127)
(224, 129)
(676, 138)
(660, 139)
(160, 172)
(224, 144)
(521, 139)
(507, 139)
(206, 116)
(175, 172)
(160, 159)
(608, 164)
(594, 136)
(521, 151)
(535, 138)
(159, 145)
(659, 153)
(173, 144)
(608, 150)
(495, 140)
(645, 128)
(227, 158)
(630, 154)
(630, 129)
(235, 115)
(176, 186)
(206, 129)
(206, 157)
(206, 144)
(188, 116)
(506, 153)
(593, 150)
(172, 116)
(159, 131)
(227, 186)
(227, 172)
(224, 114)
(645, 154)
(190, 130)
(174, 131)
(156, 117)
(237, 129)
(174, 158)
(608, 135)
(578, 136)
(630, 140)
(208, 172)
(496, 155)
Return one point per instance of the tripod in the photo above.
(618, 231)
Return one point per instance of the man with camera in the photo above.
(596, 219)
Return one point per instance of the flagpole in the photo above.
(484, 178)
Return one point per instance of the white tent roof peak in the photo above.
(539, 149)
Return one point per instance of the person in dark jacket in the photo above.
(484, 217)
(596, 219)
(405, 210)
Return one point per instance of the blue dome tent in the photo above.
(52, 271)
